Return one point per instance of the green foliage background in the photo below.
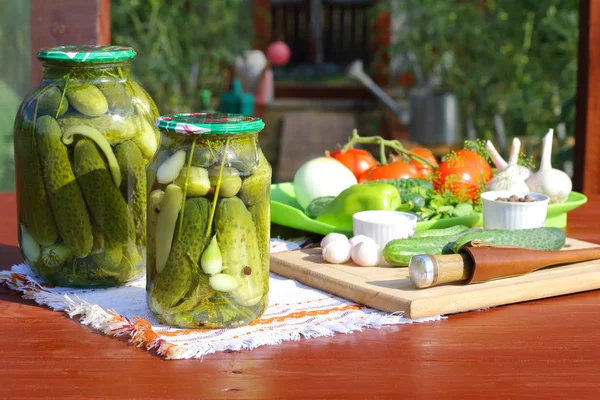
(516, 58)
(15, 80)
(183, 46)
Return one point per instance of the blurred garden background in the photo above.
(511, 65)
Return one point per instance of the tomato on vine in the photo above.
(464, 173)
(424, 169)
(356, 160)
(394, 170)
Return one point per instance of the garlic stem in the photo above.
(546, 161)
(496, 157)
(513, 158)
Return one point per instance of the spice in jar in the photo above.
(516, 199)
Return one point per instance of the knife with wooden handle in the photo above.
(482, 263)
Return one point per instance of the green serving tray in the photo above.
(286, 211)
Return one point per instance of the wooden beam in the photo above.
(314, 91)
(67, 22)
(587, 122)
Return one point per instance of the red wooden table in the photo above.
(541, 349)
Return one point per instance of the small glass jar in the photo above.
(208, 221)
(83, 137)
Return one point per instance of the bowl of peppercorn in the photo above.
(511, 210)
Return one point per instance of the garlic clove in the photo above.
(337, 252)
(359, 239)
(552, 182)
(331, 237)
(366, 254)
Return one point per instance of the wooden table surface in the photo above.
(540, 349)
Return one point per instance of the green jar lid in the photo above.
(209, 123)
(87, 54)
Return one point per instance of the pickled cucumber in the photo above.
(56, 255)
(182, 275)
(230, 180)
(203, 157)
(131, 263)
(104, 199)
(155, 200)
(165, 224)
(87, 99)
(117, 98)
(63, 191)
(114, 128)
(85, 272)
(147, 138)
(133, 185)
(142, 100)
(257, 194)
(110, 256)
(198, 183)
(261, 215)
(243, 154)
(95, 135)
(255, 187)
(236, 236)
(33, 202)
(49, 102)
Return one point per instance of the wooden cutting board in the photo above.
(389, 289)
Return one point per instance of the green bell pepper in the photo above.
(376, 196)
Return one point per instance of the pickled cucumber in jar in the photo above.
(208, 222)
(83, 138)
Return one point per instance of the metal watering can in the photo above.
(433, 116)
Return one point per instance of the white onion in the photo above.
(322, 176)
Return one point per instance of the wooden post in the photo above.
(261, 16)
(587, 123)
(67, 22)
(382, 28)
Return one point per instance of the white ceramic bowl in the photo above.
(513, 215)
(383, 226)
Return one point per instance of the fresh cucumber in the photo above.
(442, 232)
(399, 251)
(535, 238)
(315, 206)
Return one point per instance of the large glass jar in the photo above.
(83, 138)
(208, 221)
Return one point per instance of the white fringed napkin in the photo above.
(295, 311)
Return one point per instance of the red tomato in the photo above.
(464, 173)
(395, 170)
(424, 169)
(356, 160)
